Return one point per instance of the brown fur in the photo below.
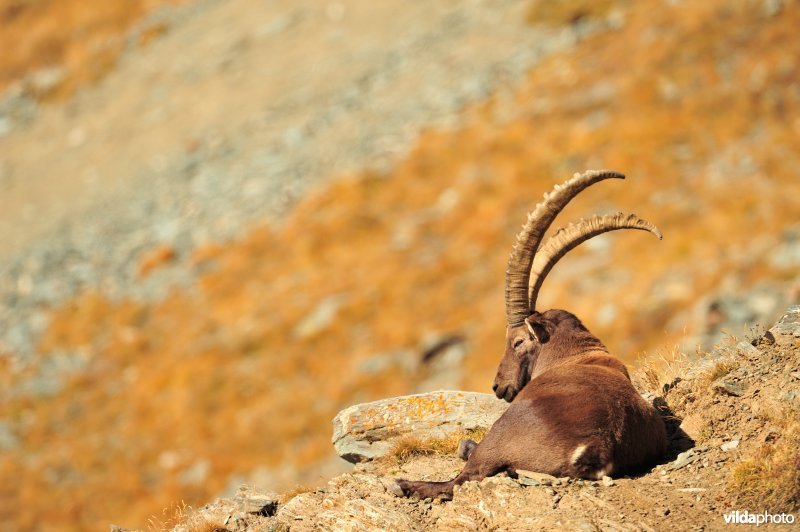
(567, 392)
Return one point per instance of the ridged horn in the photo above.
(528, 240)
(569, 237)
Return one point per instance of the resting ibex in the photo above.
(574, 411)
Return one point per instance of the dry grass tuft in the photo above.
(183, 518)
(656, 374)
(411, 445)
(770, 480)
(294, 492)
(719, 370)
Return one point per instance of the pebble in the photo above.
(608, 481)
(683, 459)
(532, 478)
(729, 387)
(729, 445)
(396, 490)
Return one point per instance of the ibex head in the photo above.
(557, 333)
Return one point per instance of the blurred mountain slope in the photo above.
(71, 42)
(239, 371)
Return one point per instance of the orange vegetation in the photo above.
(696, 102)
(85, 38)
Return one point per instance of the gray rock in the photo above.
(403, 360)
(729, 387)
(5, 126)
(320, 318)
(749, 350)
(684, 459)
(790, 396)
(45, 80)
(787, 330)
(608, 481)
(367, 431)
(195, 474)
(254, 502)
(360, 514)
(771, 8)
(8, 439)
(299, 508)
(729, 445)
(532, 478)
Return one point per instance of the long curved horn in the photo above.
(528, 240)
(573, 235)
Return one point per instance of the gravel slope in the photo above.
(223, 122)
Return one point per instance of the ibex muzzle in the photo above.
(574, 411)
(523, 344)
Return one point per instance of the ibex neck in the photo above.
(559, 352)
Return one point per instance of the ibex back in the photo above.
(574, 411)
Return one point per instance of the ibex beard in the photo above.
(574, 411)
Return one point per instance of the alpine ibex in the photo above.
(574, 411)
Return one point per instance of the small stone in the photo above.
(748, 349)
(608, 481)
(5, 126)
(683, 459)
(46, 80)
(396, 490)
(532, 478)
(256, 503)
(728, 387)
(662, 511)
(730, 445)
(789, 396)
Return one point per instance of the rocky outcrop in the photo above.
(367, 431)
(787, 330)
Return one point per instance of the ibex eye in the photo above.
(518, 343)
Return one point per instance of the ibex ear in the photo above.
(538, 330)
